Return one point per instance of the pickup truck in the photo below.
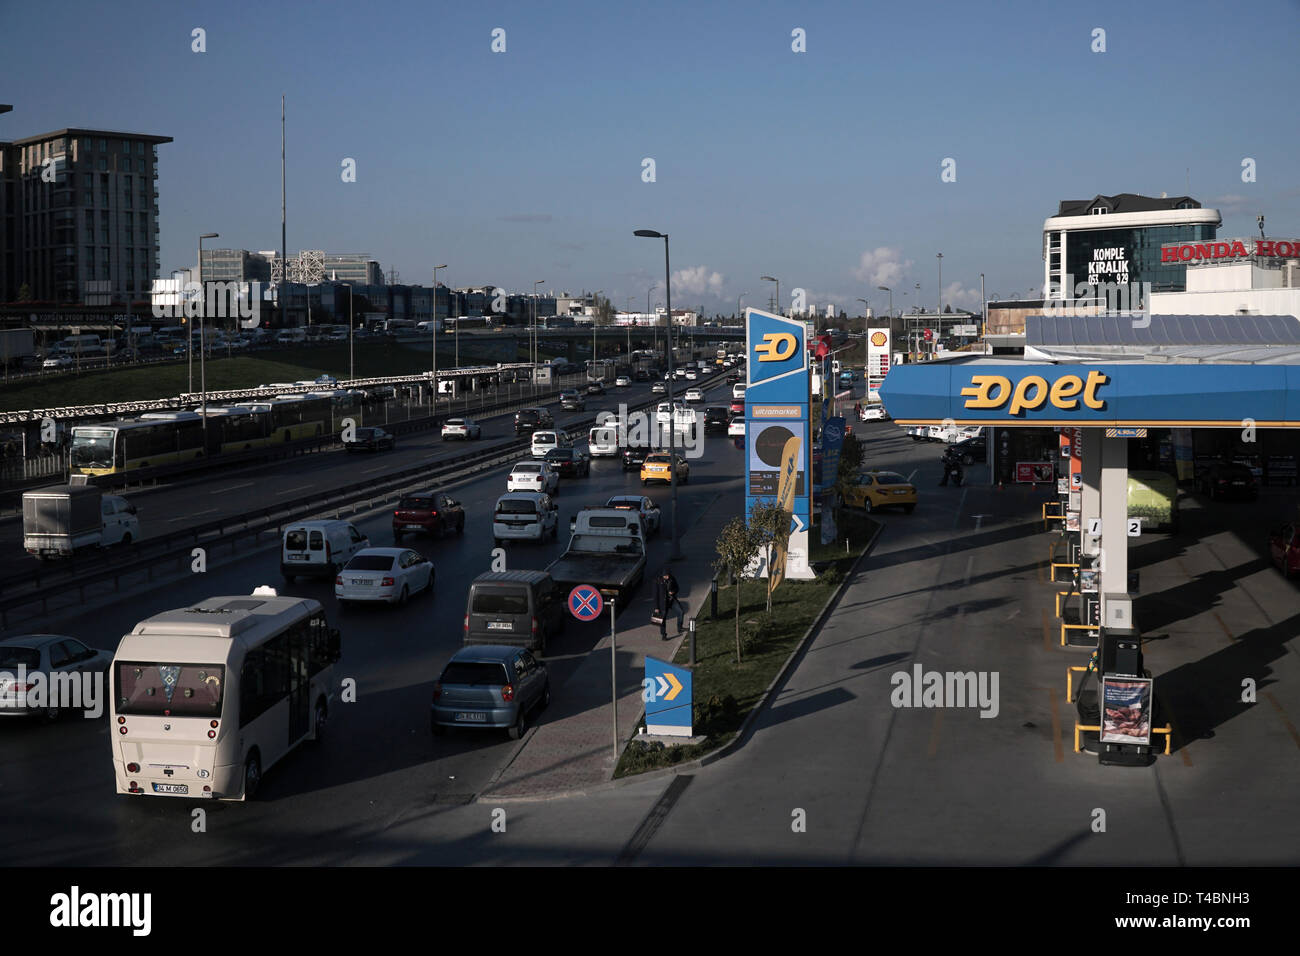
(607, 550)
(62, 519)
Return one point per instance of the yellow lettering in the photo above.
(978, 393)
(1090, 398)
(776, 347)
(1063, 391)
(1021, 401)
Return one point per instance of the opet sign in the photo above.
(1032, 392)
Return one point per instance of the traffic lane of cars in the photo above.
(202, 498)
(379, 759)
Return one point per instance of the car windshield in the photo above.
(890, 478)
(559, 454)
(415, 504)
(474, 673)
(516, 506)
(455, 422)
(92, 448)
(498, 600)
(527, 469)
(164, 690)
(366, 432)
(370, 562)
(28, 657)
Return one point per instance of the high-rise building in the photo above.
(79, 216)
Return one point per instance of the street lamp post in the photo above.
(351, 364)
(984, 309)
(434, 326)
(939, 321)
(675, 553)
(778, 291)
(738, 298)
(203, 307)
(532, 378)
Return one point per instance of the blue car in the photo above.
(489, 685)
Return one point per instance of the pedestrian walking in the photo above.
(665, 599)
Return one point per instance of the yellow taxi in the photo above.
(655, 468)
(881, 489)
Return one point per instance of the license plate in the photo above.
(171, 788)
(297, 557)
(500, 626)
(362, 582)
(1239, 483)
(414, 527)
(900, 492)
(472, 717)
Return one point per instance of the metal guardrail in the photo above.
(81, 572)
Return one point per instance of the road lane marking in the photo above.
(192, 514)
(1058, 745)
(935, 727)
(1224, 626)
(370, 471)
(970, 563)
(914, 471)
(1047, 633)
(289, 491)
(222, 491)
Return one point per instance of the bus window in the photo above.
(166, 690)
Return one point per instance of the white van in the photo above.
(318, 548)
(524, 515)
(121, 526)
(543, 442)
(602, 441)
(738, 390)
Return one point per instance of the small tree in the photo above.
(851, 458)
(24, 293)
(771, 526)
(737, 547)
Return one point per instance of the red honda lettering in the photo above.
(1284, 250)
(1169, 254)
(1263, 247)
(1238, 249)
(1186, 252)
(1222, 249)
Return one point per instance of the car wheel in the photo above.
(322, 718)
(397, 537)
(51, 714)
(404, 596)
(428, 585)
(460, 525)
(521, 724)
(252, 776)
(496, 542)
(644, 482)
(126, 538)
(908, 509)
(866, 505)
(546, 697)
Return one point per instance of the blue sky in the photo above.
(821, 168)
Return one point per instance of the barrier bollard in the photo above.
(692, 642)
(713, 598)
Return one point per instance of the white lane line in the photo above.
(222, 491)
(370, 471)
(289, 491)
(914, 471)
(192, 514)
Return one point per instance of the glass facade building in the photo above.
(1139, 260)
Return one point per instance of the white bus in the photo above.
(206, 698)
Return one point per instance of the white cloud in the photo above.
(882, 266)
(1232, 202)
(698, 280)
(959, 297)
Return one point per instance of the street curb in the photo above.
(742, 735)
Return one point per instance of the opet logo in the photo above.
(1033, 391)
(776, 346)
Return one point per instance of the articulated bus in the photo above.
(169, 438)
(205, 699)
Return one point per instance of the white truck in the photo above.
(607, 551)
(17, 348)
(61, 519)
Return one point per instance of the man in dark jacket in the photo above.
(665, 599)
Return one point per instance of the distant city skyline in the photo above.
(825, 168)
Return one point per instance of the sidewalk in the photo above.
(572, 749)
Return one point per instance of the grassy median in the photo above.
(725, 692)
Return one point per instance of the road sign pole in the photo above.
(613, 674)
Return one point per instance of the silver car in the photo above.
(60, 661)
(489, 685)
(462, 428)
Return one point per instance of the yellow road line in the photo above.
(1290, 727)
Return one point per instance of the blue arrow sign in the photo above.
(585, 603)
(669, 698)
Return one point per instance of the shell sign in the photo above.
(879, 339)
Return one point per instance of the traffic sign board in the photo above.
(1126, 433)
(668, 696)
(585, 603)
(929, 334)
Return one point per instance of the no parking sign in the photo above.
(585, 603)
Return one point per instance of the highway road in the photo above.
(379, 762)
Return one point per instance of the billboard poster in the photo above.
(785, 500)
(879, 356)
(1126, 710)
(832, 445)
(1034, 471)
(777, 411)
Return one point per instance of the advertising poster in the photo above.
(785, 500)
(1088, 581)
(1031, 472)
(767, 456)
(1072, 521)
(832, 445)
(1126, 710)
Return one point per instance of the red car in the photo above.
(1284, 549)
(738, 407)
(430, 512)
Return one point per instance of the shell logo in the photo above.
(878, 339)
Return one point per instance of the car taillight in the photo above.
(339, 580)
(534, 628)
(1223, 481)
(508, 692)
(386, 583)
(328, 551)
(133, 768)
(465, 626)
(437, 690)
(433, 514)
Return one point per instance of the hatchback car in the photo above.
(430, 512)
(489, 685)
(656, 467)
(370, 439)
(694, 395)
(543, 442)
(533, 476)
(881, 489)
(595, 388)
(571, 400)
(49, 655)
(1224, 480)
(462, 428)
(658, 388)
(716, 418)
(569, 462)
(390, 575)
(644, 506)
(968, 452)
(737, 428)
(622, 382)
(1284, 549)
(692, 375)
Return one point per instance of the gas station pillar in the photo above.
(1114, 517)
(1090, 500)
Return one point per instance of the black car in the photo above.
(528, 420)
(569, 462)
(571, 400)
(595, 388)
(1229, 480)
(369, 439)
(968, 452)
(634, 455)
(717, 417)
(640, 375)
